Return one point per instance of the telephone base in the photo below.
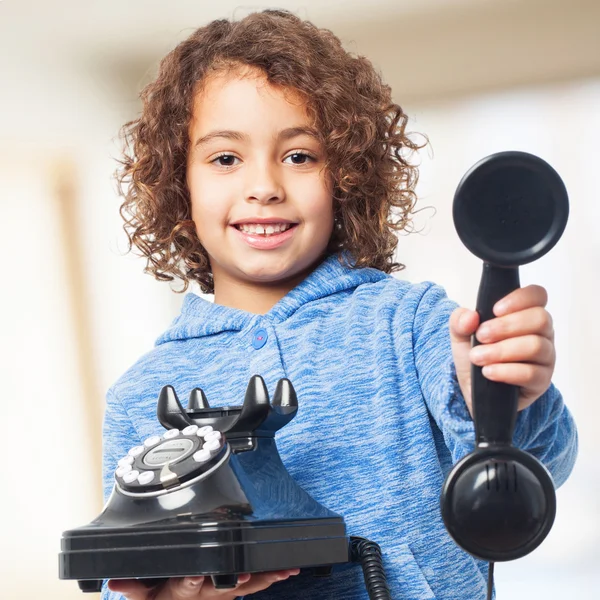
(217, 549)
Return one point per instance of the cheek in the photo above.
(318, 202)
(208, 221)
(208, 203)
(319, 209)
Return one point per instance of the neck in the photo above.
(250, 296)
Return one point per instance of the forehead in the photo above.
(244, 95)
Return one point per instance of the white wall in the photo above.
(50, 120)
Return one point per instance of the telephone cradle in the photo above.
(212, 497)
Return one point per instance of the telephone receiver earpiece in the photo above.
(498, 503)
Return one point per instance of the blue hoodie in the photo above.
(381, 417)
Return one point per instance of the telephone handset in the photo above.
(498, 502)
(211, 496)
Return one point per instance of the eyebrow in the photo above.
(284, 135)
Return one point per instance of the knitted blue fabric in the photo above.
(381, 418)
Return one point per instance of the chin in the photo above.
(271, 274)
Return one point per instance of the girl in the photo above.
(271, 167)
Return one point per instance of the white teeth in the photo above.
(270, 229)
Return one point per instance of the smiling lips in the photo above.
(265, 235)
(264, 228)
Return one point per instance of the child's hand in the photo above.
(198, 588)
(517, 346)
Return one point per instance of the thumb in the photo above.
(463, 324)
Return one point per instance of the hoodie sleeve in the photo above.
(545, 429)
(118, 437)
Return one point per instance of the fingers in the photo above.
(533, 380)
(132, 589)
(198, 588)
(183, 588)
(536, 320)
(533, 377)
(517, 345)
(261, 581)
(520, 299)
(529, 349)
(179, 588)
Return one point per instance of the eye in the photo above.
(224, 160)
(300, 158)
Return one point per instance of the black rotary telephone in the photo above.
(211, 496)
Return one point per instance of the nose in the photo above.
(263, 185)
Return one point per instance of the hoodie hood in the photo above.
(200, 317)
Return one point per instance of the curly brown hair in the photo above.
(366, 146)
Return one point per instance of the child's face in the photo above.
(250, 171)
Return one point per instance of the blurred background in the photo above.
(475, 76)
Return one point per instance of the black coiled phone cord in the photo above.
(368, 554)
(490, 587)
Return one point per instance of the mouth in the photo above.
(264, 229)
(267, 235)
